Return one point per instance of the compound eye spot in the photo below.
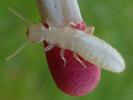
(46, 25)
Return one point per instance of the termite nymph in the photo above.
(61, 30)
(81, 43)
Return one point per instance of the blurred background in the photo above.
(26, 76)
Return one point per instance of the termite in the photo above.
(88, 46)
(81, 42)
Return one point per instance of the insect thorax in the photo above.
(63, 36)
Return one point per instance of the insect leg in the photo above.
(78, 59)
(49, 47)
(62, 57)
(90, 30)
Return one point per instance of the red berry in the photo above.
(74, 79)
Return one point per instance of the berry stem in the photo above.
(60, 12)
(43, 10)
(72, 11)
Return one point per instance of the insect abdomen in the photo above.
(87, 46)
(98, 52)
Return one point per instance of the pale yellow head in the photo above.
(35, 32)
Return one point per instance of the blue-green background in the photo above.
(26, 77)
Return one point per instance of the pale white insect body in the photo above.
(89, 47)
(64, 36)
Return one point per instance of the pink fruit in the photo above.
(74, 79)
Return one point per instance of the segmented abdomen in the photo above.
(89, 47)
(98, 52)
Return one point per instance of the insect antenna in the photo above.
(19, 16)
(26, 43)
(18, 51)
